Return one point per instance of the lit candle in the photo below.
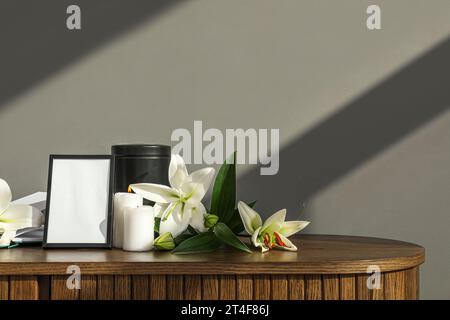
(138, 229)
(123, 200)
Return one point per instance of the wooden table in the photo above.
(325, 267)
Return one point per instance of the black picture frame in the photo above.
(108, 243)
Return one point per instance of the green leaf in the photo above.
(223, 198)
(235, 223)
(225, 234)
(191, 230)
(203, 242)
(157, 223)
(188, 233)
(182, 237)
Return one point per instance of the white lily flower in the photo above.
(179, 205)
(273, 232)
(15, 216)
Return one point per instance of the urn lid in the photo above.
(153, 150)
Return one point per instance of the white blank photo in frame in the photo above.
(79, 199)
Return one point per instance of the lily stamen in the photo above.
(278, 239)
(267, 241)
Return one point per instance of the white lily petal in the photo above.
(250, 218)
(6, 238)
(159, 209)
(173, 226)
(289, 246)
(155, 192)
(274, 222)
(198, 213)
(5, 195)
(291, 227)
(179, 213)
(258, 243)
(177, 171)
(169, 209)
(20, 216)
(255, 237)
(198, 183)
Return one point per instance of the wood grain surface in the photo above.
(88, 288)
(244, 287)
(140, 287)
(279, 287)
(4, 287)
(175, 287)
(397, 285)
(227, 285)
(261, 287)
(23, 288)
(325, 267)
(318, 254)
(362, 291)
(60, 290)
(105, 287)
(210, 285)
(313, 287)
(330, 287)
(296, 287)
(192, 287)
(158, 287)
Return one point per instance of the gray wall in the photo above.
(363, 115)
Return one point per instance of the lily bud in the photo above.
(211, 220)
(164, 242)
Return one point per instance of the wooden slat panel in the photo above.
(175, 287)
(412, 283)
(105, 287)
(330, 287)
(158, 287)
(347, 287)
(418, 283)
(140, 287)
(4, 288)
(279, 287)
(362, 291)
(59, 290)
(313, 287)
(244, 287)
(261, 287)
(23, 288)
(378, 294)
(44, 284)
(193, 287)
(122, 287)
(395, 285)
(88, 288)
(210, 287)
(296, 287)
(227, 285)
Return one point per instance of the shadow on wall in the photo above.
(357, 132)
(36, 43)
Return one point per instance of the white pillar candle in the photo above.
(123, 200)
(138, 229)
